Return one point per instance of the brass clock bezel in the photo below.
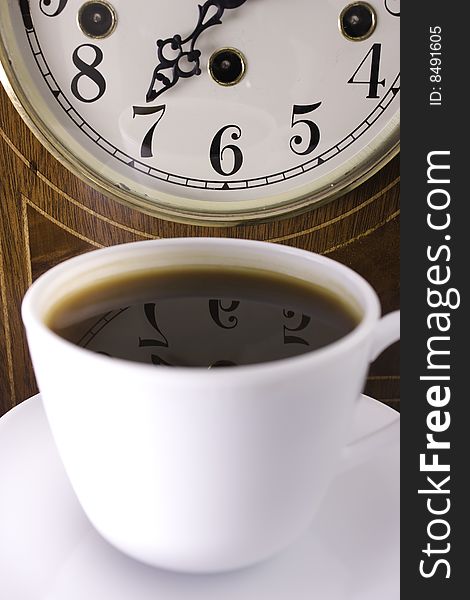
(386, 146)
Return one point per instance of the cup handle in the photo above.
(386, 333)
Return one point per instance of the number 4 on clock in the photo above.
(373, 81)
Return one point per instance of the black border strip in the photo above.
(434, 130)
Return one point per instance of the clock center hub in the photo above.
(227, 66)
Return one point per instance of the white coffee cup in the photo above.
(204, 470)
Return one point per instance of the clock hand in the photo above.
(189, 57)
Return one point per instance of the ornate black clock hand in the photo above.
(189, 57)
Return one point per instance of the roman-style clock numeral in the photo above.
(88, 70)
(297, 140)
(373, 81)
(146, 148)
(217, 151)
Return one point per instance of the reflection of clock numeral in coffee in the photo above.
(215, 308)
(89, 71)
(146, 148)
(158, 360)
(47, 7)
(150, 313)
(217, 152)
(373, 82)
(313, 127)
(294, 339)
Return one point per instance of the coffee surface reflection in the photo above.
(203, 317)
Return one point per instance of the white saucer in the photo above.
(49, 550)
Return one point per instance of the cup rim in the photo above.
(33, 319)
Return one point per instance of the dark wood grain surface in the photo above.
(48, 215)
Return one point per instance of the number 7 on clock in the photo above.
(146, 148)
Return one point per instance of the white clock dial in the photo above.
(310, 108)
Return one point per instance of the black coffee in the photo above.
(203, 317)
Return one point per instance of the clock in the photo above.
(216, 113)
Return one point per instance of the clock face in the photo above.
(229, 111)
